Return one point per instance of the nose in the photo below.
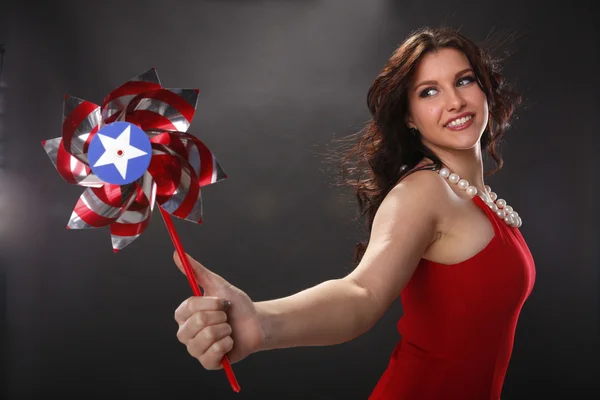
(454, 101)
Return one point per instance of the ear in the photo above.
(409, 122)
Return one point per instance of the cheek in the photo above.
(428, 114)
(479, 99)
(480, 105)
(485, 105)
(435, 113)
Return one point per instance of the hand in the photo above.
(210, 328)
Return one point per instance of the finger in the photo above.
(198, 345)
(196, 304)
(203, 275)
(198, 322)
(179, 263)
(215, 353)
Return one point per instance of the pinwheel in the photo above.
(131, 152)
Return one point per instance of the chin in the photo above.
(460, 140)
(466, 139)
(462, 144)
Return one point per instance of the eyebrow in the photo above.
(435, 82)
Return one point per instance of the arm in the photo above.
(339, 310)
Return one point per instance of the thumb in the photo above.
(205, 277)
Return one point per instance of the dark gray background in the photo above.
(278, 81)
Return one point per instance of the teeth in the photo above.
(460, 121)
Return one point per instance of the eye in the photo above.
(467, 79)
(426, 92)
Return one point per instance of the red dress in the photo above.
(459, 322)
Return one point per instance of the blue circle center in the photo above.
(119, 153)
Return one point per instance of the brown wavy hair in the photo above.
(385, 151)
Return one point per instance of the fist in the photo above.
(204, 330)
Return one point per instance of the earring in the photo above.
(414, 131)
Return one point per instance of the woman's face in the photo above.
(444, 87)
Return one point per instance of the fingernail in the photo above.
(226, 304)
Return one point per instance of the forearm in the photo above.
(332, 312)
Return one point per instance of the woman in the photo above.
(438, 236)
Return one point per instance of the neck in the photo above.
(468, 164)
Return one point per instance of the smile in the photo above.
(460, 123)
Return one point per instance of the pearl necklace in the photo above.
(498, 206)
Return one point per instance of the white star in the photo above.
(118, 151)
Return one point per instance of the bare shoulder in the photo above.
(416, 204)
(425, 190)
(425, 180)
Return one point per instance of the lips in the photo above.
(460, 127)
(459, 116)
